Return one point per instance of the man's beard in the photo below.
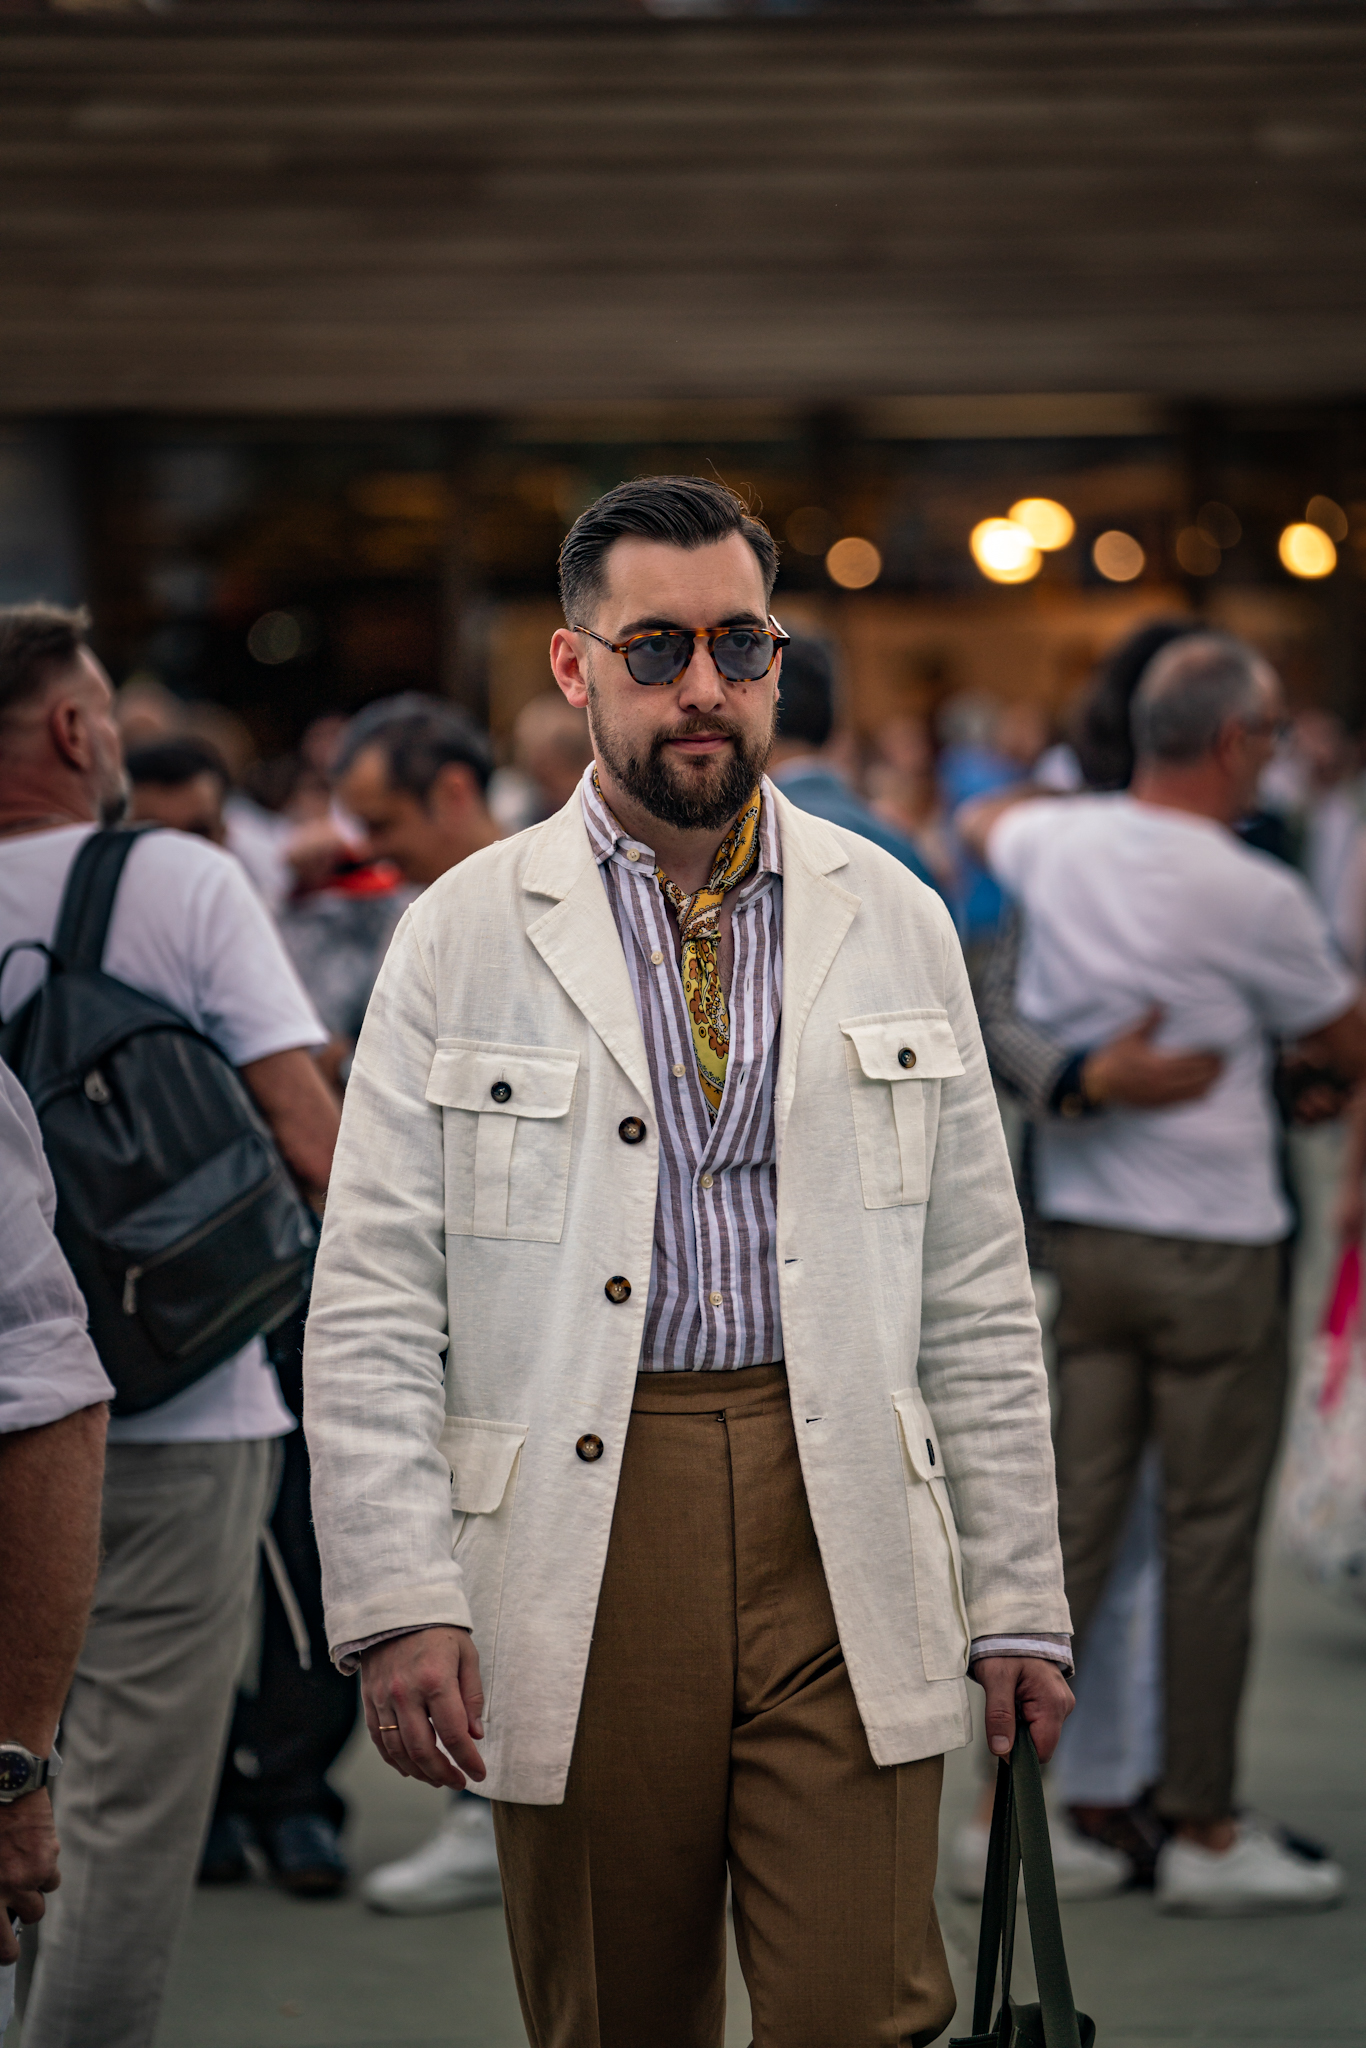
(690, 799)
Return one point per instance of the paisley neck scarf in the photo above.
(699, 920)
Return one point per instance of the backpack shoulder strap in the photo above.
(88, 898)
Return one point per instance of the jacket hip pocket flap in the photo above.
(905, 1045)
(918, 1434)
(481, 1456)
(502, 1080)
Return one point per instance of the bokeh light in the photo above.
(275, 638)
(1196, 552)
(1327, 513)
(1048, 524)
(853, 563)
(1118, 556)
(1003, 551)
(1307, 551)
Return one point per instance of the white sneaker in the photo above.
(1083, 1869)
(457, 1867)
(1257, 1875)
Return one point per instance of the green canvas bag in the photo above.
(1019, 1835)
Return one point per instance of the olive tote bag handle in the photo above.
(1019, 1836)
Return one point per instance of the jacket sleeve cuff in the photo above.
(1056, 1649)
(347, 1656)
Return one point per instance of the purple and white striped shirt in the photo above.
(713, 1304)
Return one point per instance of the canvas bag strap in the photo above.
(1019, 1835)
(88, 898)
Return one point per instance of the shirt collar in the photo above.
(608, 838)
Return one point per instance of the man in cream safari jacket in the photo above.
(674, 1390)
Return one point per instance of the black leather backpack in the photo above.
(186, 1233)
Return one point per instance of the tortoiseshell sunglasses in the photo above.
(742, 653)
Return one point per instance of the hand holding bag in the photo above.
(1019, 1835)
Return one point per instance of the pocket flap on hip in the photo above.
(919, 1434)
(882, 1043)
(481, 1456)
(530, 1080)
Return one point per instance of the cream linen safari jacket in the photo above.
(461, 1343)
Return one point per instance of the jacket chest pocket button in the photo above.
(906, 1057)
(618, 1288)
(501, 1091)
(630, 1130)
(589, 1449)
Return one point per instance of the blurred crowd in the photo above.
(338, 837)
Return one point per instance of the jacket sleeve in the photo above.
(981, 1360)
(374, 1398)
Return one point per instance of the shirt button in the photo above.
(618, 1288)
(706, 1180)
(589, 1449)
(679, 1070)
(501, 1091)
(633, 853)
(715, 1300)
(906, 1057)
(656, 958)
(630, 1130)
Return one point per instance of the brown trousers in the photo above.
(718, 1729)
(1184, 1341)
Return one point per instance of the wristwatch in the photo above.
(22, 1772)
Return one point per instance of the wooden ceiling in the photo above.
(360, 210)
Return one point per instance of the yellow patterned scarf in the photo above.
(699, 920)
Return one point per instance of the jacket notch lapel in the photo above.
(817, 912)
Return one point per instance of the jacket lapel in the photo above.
(817, 913)
(578, 939)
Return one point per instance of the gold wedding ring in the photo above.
(386, 1727)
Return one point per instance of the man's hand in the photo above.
(421, 1689)
(28, 1864)
(1034, 1685)
(1130, 1070)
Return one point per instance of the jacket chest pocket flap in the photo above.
(507, 1131)
(896, 1062)
(941, 1611)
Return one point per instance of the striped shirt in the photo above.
(713, 1302)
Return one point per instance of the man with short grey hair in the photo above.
(1166, 1225)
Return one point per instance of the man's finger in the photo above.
(418, 1737)
(996, 1676)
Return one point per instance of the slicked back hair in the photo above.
(418, 737)
(37, 641)
(683, 511)
(1188, 694)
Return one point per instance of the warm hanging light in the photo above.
(1307, 551)
(1118, 556)
(853, 563)
(1048, 524)
(1004, 551)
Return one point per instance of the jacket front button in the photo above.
(906, 1056)
(630, 1130)
(589, 1448)
(618, 1288)
(501, 1091)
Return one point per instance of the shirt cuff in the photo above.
(347, 1656)
(1068, 1097)
(1056, 1649)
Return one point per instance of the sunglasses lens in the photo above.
(744, 654)
(659, 657)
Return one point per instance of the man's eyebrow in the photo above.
(661, 625)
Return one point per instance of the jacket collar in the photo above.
(578, 940)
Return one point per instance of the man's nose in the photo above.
(704, 687)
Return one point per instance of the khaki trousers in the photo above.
(718, 1730)
(143, 1731)
(1184, 1341)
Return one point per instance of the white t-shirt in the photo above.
(189, 929)
(1126, 905)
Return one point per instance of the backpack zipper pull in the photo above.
(130, 1290)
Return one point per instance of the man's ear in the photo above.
(567, 667)
(66, 723)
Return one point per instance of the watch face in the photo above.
(15, 1770)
